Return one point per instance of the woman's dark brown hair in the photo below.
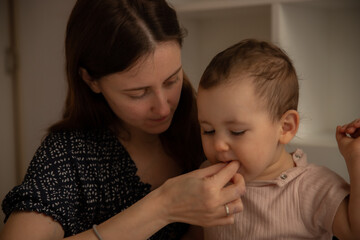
(108, 36)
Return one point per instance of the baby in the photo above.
(247, 108)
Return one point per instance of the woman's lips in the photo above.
(161, 119)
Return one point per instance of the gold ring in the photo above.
(227, 210)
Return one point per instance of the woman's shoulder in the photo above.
(91, 141)
(81, 135)
(77, 149)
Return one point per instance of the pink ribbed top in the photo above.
(300, 204)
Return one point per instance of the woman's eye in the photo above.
(170, 82)
(208, 132)
(237, 133)
(138, 94)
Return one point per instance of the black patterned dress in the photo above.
(81, 178)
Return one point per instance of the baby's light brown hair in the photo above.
(270, 69)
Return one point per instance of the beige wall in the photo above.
(7, 152)
(40, 28)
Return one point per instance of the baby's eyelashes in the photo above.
(208, 132)
(236, 133)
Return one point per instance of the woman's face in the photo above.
(145, 97)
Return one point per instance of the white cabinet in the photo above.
(322, 37)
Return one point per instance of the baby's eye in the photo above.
(210, 132)
(237, 133)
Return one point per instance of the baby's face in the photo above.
(236, 127)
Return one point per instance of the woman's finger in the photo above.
(207, 171)
(234, 207)
(224, 176)
(225, 213)
(234, 190)
(220, 221)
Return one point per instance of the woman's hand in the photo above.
(199, 197)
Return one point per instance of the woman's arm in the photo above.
(31, 225)
(196, 198)
(139, 221)
(347, 219)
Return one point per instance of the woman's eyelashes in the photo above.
(140, 93)
(170, 82)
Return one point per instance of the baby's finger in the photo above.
(341, 134)
(356, 134)
(357, 122)
(356, 128)
(352, 126)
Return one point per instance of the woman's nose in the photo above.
(161, 105)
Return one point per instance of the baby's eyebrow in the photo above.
(203, 122)
(234, 122)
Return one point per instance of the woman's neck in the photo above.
(136, 137)
(154, 165)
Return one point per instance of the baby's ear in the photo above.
(93, 84)
(289, 126)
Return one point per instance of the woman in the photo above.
(108, 169)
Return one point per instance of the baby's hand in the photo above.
(348, 139)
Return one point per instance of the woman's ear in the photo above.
(92, 83)
(289, 126)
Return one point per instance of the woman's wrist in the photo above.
(161, 204)
(140, 221)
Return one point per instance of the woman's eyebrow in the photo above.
(144, 87)
(176, 72)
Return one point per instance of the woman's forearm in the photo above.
(139, 221)
(196, 198)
